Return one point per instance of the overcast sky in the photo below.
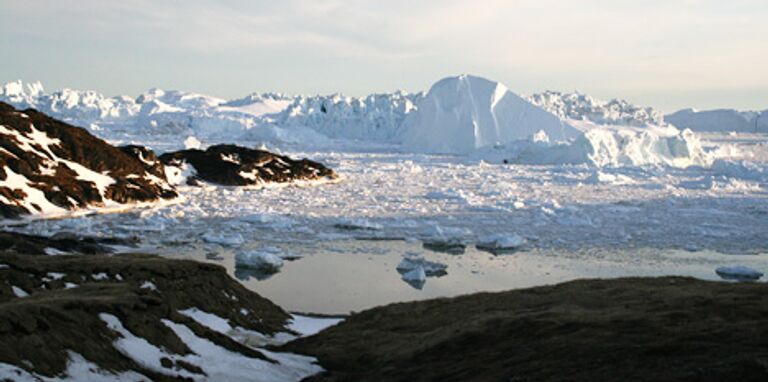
(665, 53)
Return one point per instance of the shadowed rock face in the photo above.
(47, 166)
(240, 166)
(644, 329)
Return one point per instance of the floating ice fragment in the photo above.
(225, 240)
(416, 277)
(263, 260)
(358, 224)
(501, 242)
(413, 261)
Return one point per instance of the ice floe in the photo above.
(501, 242)
(264, 259)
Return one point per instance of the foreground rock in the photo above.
(665, 329)
(137, 317)
(48, 167)
(233, 165)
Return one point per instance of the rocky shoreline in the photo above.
(638, 329)
(127, 314)
(66, 299)
(50, 168)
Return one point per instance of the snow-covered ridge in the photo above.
(580, 106)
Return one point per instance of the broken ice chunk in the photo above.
(412, 261)
(416, 277)
(225, 240)
(500, 242)
(263, 260)
(358, 224)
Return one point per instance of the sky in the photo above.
(669, 54)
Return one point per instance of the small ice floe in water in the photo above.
(415, 269)
(412, 261)
(416, 277)
(442, 239)
(739, 273)
(262, 260)
(232, 240)
(358, 224)
(500, 242)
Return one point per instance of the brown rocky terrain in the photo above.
(62, 161)
(67, 293)
(631, 329)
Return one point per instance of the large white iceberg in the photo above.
(465, 113)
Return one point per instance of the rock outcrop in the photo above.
(48, 167)
(233, 165)
(133, 317)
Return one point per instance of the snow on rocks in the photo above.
(50, 168)
(20, 293)
(241, 166)
(148, 285)
(308, 326)
(739, 273)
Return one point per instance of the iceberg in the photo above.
(462, 114)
